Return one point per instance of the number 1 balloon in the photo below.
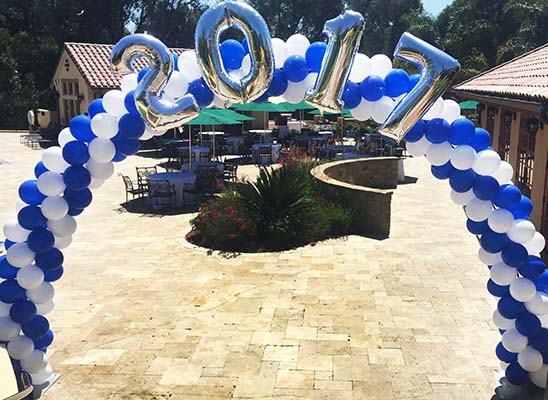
(158, 114)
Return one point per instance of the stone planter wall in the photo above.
(366, 185)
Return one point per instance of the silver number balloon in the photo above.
(344, 33)
(158, 114)
(210, 26)
(437, 69)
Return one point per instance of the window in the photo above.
(505, 134)
(70, 88)
(64, 88)
(66, 111)
(526, 156)
(76, 89)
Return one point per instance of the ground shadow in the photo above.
(141, 206)
(409, 180)
(507, 391)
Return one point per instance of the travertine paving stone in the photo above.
(142, 315)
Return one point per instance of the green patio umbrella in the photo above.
(468, 105)
(345, 113)
(265, 107)
(303, 105)
(227, 113)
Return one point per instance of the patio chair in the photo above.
(142, 175)
(131, 189)
(204, 185)
(14, 386)
(230, 173)
(265, 155)
(162, 189)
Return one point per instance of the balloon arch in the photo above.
(329, 76)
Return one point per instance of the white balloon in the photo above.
(435, 111)
(8, 329)
(297, 44)
(513, 341)
(113, 103)
(539, 377)
(20, 347)
(177, 85)
(462, 198)
(296, 91)
(35, 362)
(538, 305)
(100, 170)
(502, 274)
(418, 148)
(42, 294)
(381, 65)
(62, 242)
(522, 231)
(535, 245)
(361, 68)
(104, 125)
(102, 150)
(51, 183)
(65, 136)
(500, 220)
(463, 157)
(42, 377)
(4, 309)
(489, 258)
(15, 232)
(487, 162)
(96, 183)
(504, 174)
(63, 227)
(280, 51)
(503, 323)
(246, 64)
(451, 110)
(54, 208)
(188, 65)
(530, 359)
(363, 111)
(129, 83)
(53, 159)
(236, 74)
(382, 108)
(478, 210)
(438, 154)
(30, 277)
(523, 289)
(46, 308)
(19, 255)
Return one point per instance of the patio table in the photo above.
(276, 149)
(178, 180)
(200, 152)
(218, 166)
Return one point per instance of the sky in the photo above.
(434, 7)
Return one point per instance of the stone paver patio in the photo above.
(140, 314)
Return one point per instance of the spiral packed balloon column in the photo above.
(173, 89)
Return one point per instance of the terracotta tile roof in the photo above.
(93, 62)
(524, 78)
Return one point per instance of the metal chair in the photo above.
(142, 175)
(162, 189)
(230, 173)
(130, 189)
(265, 155)
(204, 185)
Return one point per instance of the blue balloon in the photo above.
(142, 74)
(7, 271)
(131, 126)
(10, 291)
(40, 240)
(497, 290)
(462, 131)
(78, 198)
(516, 375)
(493, 242)
(523, 209)
(532, 268)
(509, 307)
(8, 243)
(528, 324)
(314, 56)
(202, 93)
(397, 82)
(462, 180)
(22, 311)
(232, 54)
(262, 99)
(175, 62)
(245, 45)
(477, 228)
(505, 355)
(44, 341)
(80, 127)
(351, 95)
(481, 140)
(36, 328)
(76, 153)
(278, 86)
(29, 193)
(31, 217)
(129, 102)
(39, 169)
(75, 211)
(50, 260)
(118, 157)
(515, 254)
(438, 130)
(540, 341)
(54, 275)
(96, 107)
(508, 197)
(443, 171)
(417, 132)
(541, 282)
(295, 68)
(125, 145)
(413, 80)
(76, 177)
(486, 187)
(373, 88)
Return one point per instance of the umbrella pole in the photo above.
(189, 149)
(214, 142)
